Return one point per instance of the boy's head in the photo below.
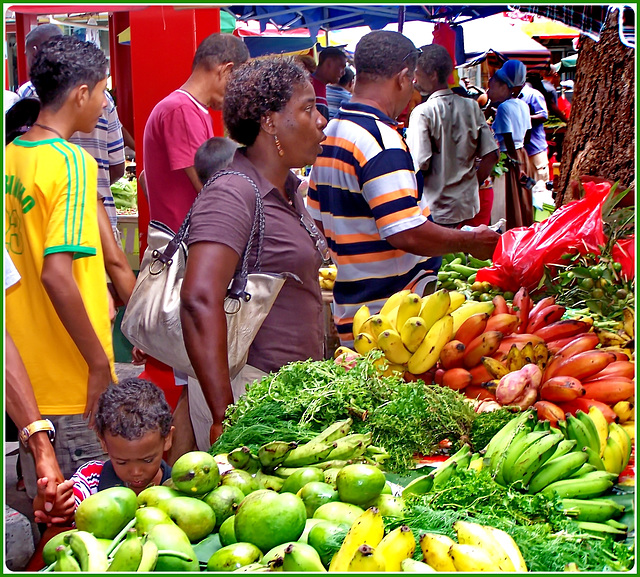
(65, 69)
(133, 422)
(212, 156)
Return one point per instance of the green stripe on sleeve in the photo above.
(56, 146)
(79, 251)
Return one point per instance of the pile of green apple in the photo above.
(229, 522)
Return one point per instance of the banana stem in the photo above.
(177, 554)
(120, 536)
(48, 568)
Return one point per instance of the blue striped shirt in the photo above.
(363, 189)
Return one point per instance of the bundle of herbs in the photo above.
(547, 538)
(304, 397)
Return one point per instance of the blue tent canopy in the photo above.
(335, 17)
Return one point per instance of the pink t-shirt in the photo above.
(176, 128)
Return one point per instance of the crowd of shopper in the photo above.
(383, 208)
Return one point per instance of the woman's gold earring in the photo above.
(278, 146)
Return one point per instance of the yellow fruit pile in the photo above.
(327, 277)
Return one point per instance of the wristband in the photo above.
(37, 427)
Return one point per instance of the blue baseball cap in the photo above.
(513, 73)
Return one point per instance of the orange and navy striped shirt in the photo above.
(363, 189)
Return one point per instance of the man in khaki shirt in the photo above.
(446, 135)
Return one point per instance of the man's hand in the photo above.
(99, 380)
(484, 242)
(214, 432)
(63, 508)
(139, 357)
(49, 475)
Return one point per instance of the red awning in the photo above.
(73, 8)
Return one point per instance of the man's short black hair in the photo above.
(41, 34)
(331, 52)
(63, 63)
(219, 49)
(436, 58)
(256, 88)
(383, 54)
(213, 155)
(347, 77)
(131, 409)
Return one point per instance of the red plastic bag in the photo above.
(624, 252)
(521, 254)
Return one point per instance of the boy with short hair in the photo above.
(58, 313)
(213, 155)
(133, 422)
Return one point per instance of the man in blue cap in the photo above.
(510, 126)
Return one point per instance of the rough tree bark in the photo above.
(600, 138)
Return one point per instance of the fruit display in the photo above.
(327, 277)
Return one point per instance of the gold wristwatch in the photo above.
(36, 427)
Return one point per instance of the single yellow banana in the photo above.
(362, 314)
(379, 324)
(393, 301)
(471, 558)
(397, 546)
(457, 299)
(506, 542)
(413, 333)
(541, 353)
(470, 308)
(367, 529)
(612, 457)
(624, 410)
(366, 560)
(435, 550)
(428, 353)
(629, 322)
(601, 426)
(413, 566)
(363, 343)
(409, 307)
(515, 360)
(478, 536)
(391, 344)
(528, 353)
(494, 367)
(434, 307)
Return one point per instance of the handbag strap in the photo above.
(257, 229)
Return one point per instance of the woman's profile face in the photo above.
(300, 127)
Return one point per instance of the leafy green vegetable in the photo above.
(125, 193)
(405, 418)
(547, 538)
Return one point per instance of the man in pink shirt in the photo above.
(180, 123)
(332, 62)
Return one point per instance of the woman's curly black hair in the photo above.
(63, 63)
(132, 408)
(256, 88)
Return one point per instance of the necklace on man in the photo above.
(49, 129)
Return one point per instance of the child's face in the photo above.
(137, 462)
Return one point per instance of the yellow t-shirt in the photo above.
(50, 207)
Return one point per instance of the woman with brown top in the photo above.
(269, 108)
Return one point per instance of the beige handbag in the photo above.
(151, 320)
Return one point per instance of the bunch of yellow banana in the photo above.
(480, 548)
(410, 330)
(327, 277)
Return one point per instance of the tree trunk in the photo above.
(600, 135)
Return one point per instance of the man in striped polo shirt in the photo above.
(364, 194)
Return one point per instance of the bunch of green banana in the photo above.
(87, 552)
(409, 329)
(592, 510)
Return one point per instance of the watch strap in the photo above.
(37, 427)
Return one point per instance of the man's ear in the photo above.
(81, 94)
(224, 70)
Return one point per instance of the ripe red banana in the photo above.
(561, 389)
(625, 369)
(541, 304)
(584, 404)
(500, 304)
(471, 328)
(610, 390)
(574, 346)
(456, 379)
(479, 375)
(484, 345)
(582, 366)
(562, 329)
(522, 305)
(548, 411)
(452, 354)
(547, 316)
(479, 392)
(504, 322)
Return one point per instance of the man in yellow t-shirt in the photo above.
(58, 313)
